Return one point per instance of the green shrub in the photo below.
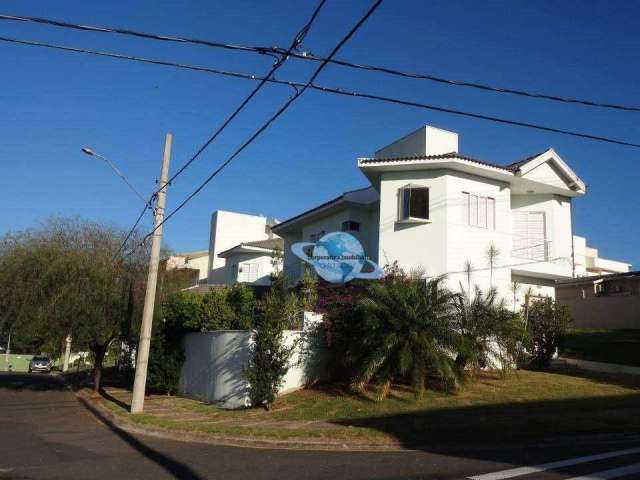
(547, 322)
(242, 301)
(269, 358)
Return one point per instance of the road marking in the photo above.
(613, 473)
(518, 472)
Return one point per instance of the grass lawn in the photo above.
(525, 406)
(601, 345)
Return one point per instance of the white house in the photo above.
(242, 248)
(429, 206)
(198, 260)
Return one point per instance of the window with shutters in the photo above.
(529, 236)
(478, 211)
(248, 272)
(413, 203)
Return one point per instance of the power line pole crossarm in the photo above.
(142, 354)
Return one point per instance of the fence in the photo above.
(213, 369)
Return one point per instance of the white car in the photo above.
(40, 363)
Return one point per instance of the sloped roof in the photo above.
(362, 196)
(433, 157)
(255, 246)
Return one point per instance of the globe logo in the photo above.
(338, 257)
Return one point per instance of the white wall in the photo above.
(228, 229)
(264, 262)
(466, 242)
(413, 245)
(557, 211)
(213, 367)
(215, 361)
(424, 141)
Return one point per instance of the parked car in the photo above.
(40, 363)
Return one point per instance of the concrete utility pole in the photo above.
(67, 353)
(142, 354)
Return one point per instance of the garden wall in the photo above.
(213, 369)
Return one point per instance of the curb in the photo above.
(115, 421)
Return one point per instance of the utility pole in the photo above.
(67, 352)
(142, 354)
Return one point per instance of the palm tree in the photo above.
(515, 288)
(492, 255)
(489, 332)
(409, 331)
(468, 269)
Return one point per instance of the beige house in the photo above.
(602, 301)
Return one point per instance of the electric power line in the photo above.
(273, 118)
(298, 39)
(279, 62)
(311, 57)
(133, 229)
(331, 90)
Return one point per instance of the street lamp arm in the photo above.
(117, 171)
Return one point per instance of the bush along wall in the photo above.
(270, 357)
(228, 308)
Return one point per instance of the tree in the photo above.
(468, 270)
(72, 283)
(408, 330)
(269, 358)
(489, 333)
(492, 255)
(547, 323)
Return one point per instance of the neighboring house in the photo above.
(430, 207)
(192, 260)
(588, 262)
(253, 262)
(241, 249)
(603, 301)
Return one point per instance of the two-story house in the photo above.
(429, 206)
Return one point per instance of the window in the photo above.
(248, 272)
(529, 236)
(414, 203)
(314, 237)
(478, 211)
(350, 226)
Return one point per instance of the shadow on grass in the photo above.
(508, 423)
(112, 399)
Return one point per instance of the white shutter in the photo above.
(536, 239)
(482, 212)
(465, 208)
(473, 210)
(529, 235)
(491, 213)
(520, 234)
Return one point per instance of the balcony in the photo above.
(536, 252)
(539, 260)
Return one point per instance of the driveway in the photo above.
(46, 433)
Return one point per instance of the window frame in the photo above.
(347, 226)
(404, 205)
(489, 210)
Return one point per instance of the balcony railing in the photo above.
(538, 252)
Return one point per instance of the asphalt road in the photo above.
(46, 433)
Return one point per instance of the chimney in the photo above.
(425, 141)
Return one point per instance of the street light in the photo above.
(91, 153)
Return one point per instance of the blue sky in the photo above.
(54, 103)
